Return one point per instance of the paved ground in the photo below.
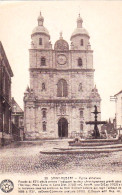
(26, 158)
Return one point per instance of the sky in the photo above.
(103, 21)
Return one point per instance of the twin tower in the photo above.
(62, 94)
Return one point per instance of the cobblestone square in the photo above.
(26, 159)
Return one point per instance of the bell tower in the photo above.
(40, 36)
(80, 37)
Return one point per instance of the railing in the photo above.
(75, 134)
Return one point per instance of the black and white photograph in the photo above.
(60, 97)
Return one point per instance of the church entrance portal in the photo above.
(62, 128)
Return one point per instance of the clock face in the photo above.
(62, 59)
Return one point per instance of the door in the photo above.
(62, 128)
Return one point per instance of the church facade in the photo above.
(61, 95)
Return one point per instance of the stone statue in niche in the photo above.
(51, 75)
(80, 88)
(63, 109)
(43, 87)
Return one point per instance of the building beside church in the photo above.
(5, 98)
(62, 93)
(17, 121)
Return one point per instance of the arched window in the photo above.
(81, 113)
(44, 113)
(81, 42)
(80, 63)
(44, 126)
(43, 61)
(62, 90)
(40, 41)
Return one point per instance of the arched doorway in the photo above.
(62, 128)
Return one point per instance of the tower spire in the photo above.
(79, 21)
(40, 20)
(61, 37)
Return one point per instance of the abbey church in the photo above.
(62, 93)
